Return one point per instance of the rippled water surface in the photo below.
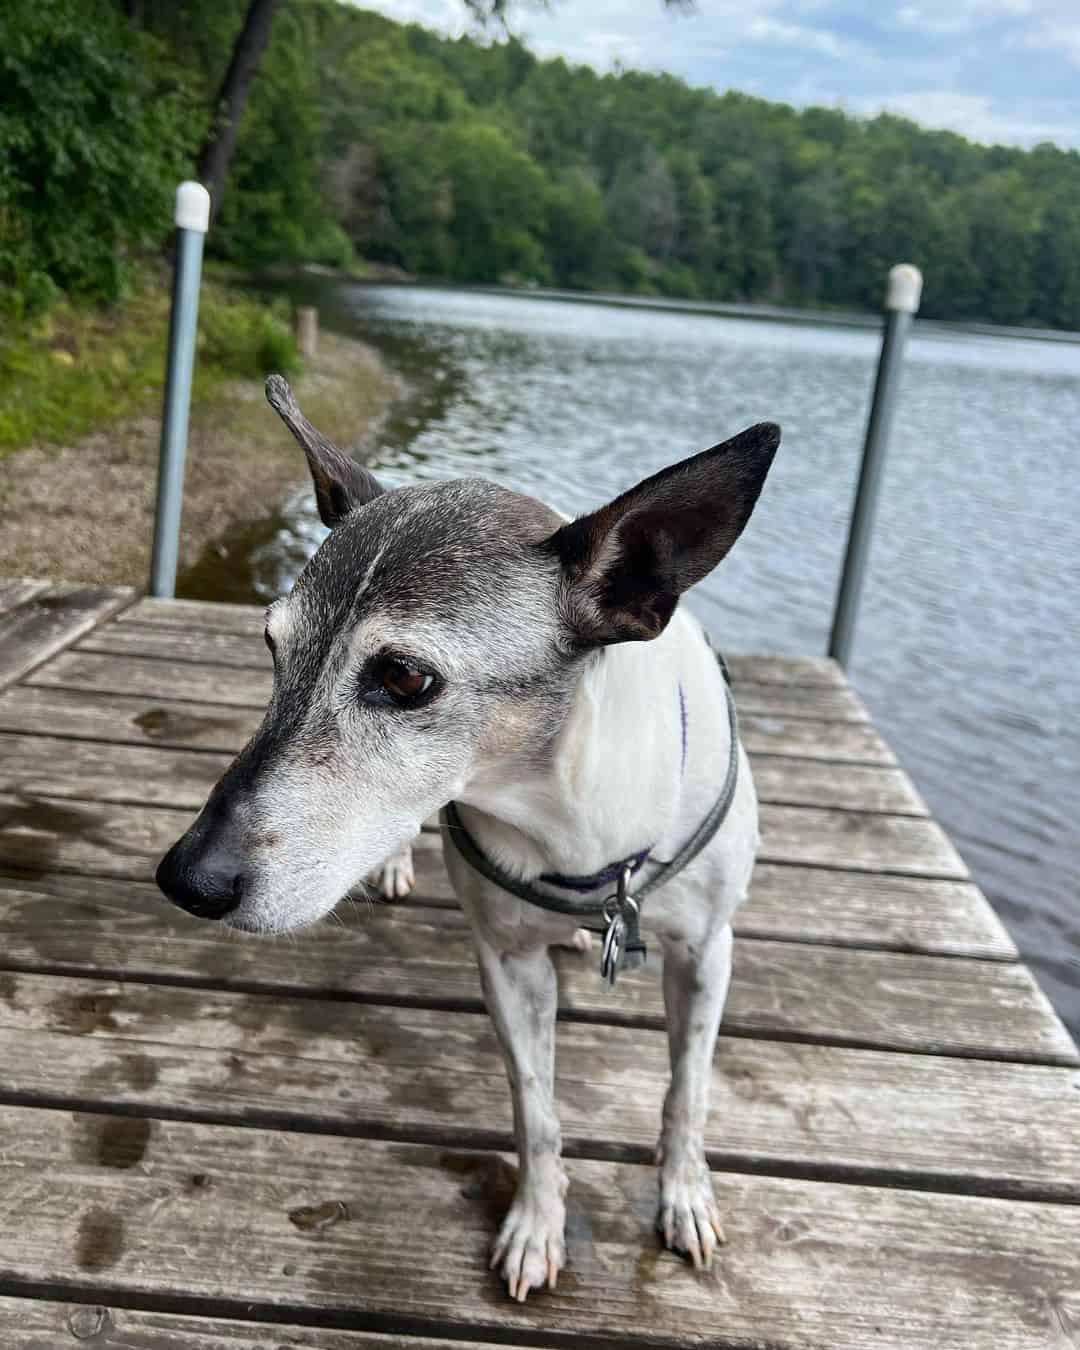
(968, 647)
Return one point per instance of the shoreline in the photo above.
(85, 512)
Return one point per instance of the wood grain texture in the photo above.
(787, 781)
(406, 1073)
(248, 621)
(792, 903)
(164, 1208)
(832, 701)
(858, 840)
(57, 766)
(198, 616)
(835, 908)
(125, 839)
(38, 726)
(49, 620)
(806, 738)
(37, 1324)
(136, 665)
(939, 1005)
(190, 681)
(904, 914)
(185, 714)
(45, 766)
(125, 720)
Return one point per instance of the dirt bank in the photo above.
(85, 512)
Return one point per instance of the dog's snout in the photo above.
(208, 888)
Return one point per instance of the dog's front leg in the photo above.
(521, 994)
(696, 976)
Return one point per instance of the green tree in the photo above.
(93, 138)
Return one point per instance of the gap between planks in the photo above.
(785, 991)
(28, 1323)
(806, 1264)
(859, 1117)
(99, 768)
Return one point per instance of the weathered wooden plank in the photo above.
(49, 620)
(790, 903)
(836, 995)
(125, 839)
(15, 590)
(833, 700)
(199, 616)
(904, 914)
(191, 681)
(859, 840)
(164, 642)
(37, 1324)
(58, 766)
(177, 722)
(248, 621)
(406, 1073)
(161, 1208)
(822, 905)
(44, 766)
(139, 669)
(853, 787)
(805, 738)
(170, 723)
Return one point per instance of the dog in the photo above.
(460, 643)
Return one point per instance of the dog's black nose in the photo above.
(209, 889)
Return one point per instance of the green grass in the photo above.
(79, 369)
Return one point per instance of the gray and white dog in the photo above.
(460, 642)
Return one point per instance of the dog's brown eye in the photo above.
(405, 683)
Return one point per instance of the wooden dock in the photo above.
(209, 1143)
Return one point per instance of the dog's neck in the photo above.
(632, 767)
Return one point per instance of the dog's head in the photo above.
(438, 633)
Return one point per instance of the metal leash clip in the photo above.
(622, 948)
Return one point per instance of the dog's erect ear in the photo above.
(340, 483)
(627, 564)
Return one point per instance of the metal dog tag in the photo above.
(622, 947)
(614, 947)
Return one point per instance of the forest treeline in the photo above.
(475, 161)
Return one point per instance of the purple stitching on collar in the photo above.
(682, 724)
(606, 877)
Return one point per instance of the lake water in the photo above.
(968, 645)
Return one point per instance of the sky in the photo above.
(1003, 71)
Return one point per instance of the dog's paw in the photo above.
(581, 941)
(395, 878)
(688, 1219)
(529, 1250)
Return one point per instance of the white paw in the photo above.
(688, 1218)
(529, 1249)
(581, 941)
(395, 877)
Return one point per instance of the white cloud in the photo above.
(1056, 37)
(960, 16)
(762, 28)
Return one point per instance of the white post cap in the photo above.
(905, 288)
(192, 207)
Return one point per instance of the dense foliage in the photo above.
(475, 161)
(93, 135)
